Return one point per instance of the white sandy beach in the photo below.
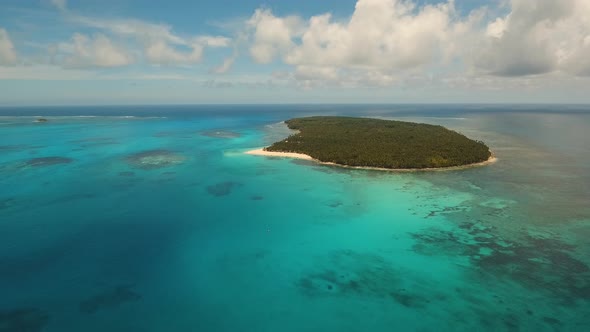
(262, 152)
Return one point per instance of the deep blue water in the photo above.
(151, 218)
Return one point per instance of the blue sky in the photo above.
(334, 51)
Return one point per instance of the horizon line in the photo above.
(300, 104)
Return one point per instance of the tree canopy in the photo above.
(380, 143)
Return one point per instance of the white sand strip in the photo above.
(262, 152)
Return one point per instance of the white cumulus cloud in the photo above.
(98, 51)
(380, 38)
(7, 51)
(160, 45)
(386, 41)
(272, 35)
(160, 52)
(382, 43)
(225, 65)
(537, 37)
(381, 33)
(60, 4)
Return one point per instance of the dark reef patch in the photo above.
(19, 147)
(126, 174)
(446, 209)
(184, 134)
(109, 299)
(95, 141)
(164, 134)
(166, 177)
(409, 300)
(553, 322)
(23, 320)
(222, 189)
(125, 185)
(47, 161)
(7, 203)
(545, 264)
(256, 197)
(349, 273)
(154, 159)
(72, 198)
(221, 134)
(335, 204)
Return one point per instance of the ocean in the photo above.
(151, 218)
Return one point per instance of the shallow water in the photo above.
(152, 219)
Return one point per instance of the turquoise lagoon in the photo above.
(152, 219)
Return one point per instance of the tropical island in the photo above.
(379, 144)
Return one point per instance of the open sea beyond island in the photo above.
(150, 219)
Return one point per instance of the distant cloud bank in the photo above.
(382, 43)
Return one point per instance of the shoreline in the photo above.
(294, 155)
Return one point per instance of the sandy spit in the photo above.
(262, 152)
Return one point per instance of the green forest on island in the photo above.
(369, 142)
